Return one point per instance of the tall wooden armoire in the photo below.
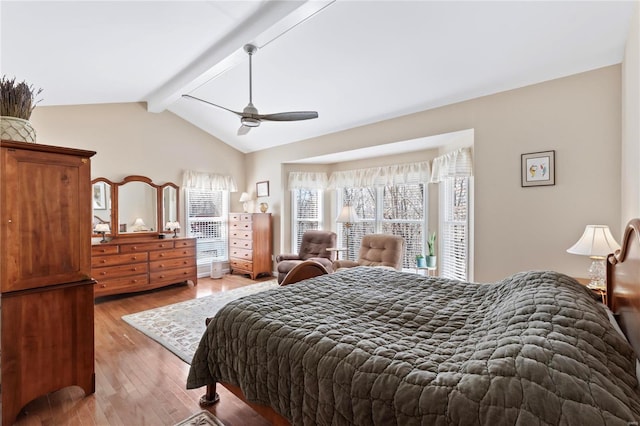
(45, 273)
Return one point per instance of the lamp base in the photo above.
(597, 273)
(103, 240)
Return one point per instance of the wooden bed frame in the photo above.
(623, 284)
(623, 291)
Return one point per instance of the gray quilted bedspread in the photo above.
(371, 347)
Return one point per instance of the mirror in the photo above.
(137, 206)
(102, 194)
(169, 203)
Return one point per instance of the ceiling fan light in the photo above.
(250, 122)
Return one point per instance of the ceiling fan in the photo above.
(249, 117)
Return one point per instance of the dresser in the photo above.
(46, 298)
(250, 243)
(128, 265)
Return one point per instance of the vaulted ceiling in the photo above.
(355, 62)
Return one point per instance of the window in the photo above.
(454, 262)
(307, 213)
(392, 209)
(207, 212)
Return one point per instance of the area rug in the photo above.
(203, 418)
(180, 326)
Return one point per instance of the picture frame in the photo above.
(538, 169)
(262, 189)
(99, 196)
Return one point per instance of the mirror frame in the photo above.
(161, 204)
(111, 194)
(115, 186)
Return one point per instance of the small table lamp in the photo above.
(244, 199)
(138, 225)
(173, 226)
(597, 243)
(348, 216)
(102, 228)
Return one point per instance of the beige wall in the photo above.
(630, 169)
(515, 228)
(131, 141)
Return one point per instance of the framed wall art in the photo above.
(538, 168)
(262, 189)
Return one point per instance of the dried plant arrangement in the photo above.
(17, 99)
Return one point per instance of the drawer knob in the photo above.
(103, 286)
(103, 273)
(161, 276)
(134, 269)
(134, 248)
(134, 281)
(103, 261)
(161, 254)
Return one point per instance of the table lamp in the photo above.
(348, 216)
(102, 228)
(173, 226)
(244, 199)
(597, 243)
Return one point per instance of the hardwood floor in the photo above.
(139, 382)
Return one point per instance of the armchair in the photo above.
(313, 246)
(377, 250)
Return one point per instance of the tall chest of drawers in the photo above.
(250, 243)
(126, 266)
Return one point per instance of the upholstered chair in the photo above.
(313, 246)
(384, 250)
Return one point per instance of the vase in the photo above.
(16, 129)
(264, 207)
(420, 262)
(431, 261)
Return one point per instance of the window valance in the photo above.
(381, 176)
(307, 180)
(452, 164)
(212, 181)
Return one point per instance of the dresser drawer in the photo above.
(240, 217)
(239, 226)
(240, 233)
(99, 250)
(170, 254)
(117, 259)
(241, 265)
(185, 243)
(240, 253)
(119, 271)
(119, 285)
(173, 275)
(242, 244)
(162, 265)
(135, 248)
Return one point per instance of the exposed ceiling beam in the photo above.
(270, 22)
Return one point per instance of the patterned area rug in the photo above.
(203, 418)
(180, 326)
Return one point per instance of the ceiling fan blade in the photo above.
(289, 116)
(215, 105)
(243, 130)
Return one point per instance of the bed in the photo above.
(378, 347)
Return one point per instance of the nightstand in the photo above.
(598, 294)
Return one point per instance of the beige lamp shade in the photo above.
(347, 215)
(102, 227)
(244, 197)
(596, 242)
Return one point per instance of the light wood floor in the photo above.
(139, 382)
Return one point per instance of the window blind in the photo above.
(455, 229)
(207, 211)
(307, 213)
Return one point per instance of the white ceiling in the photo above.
(355, 62)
